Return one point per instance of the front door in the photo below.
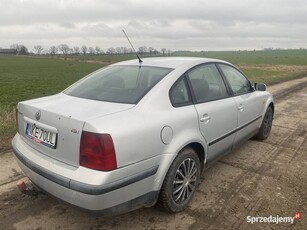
(249, 105)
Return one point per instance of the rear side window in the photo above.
(179, 93)
(122, 84)
(207, 83)
(238, 82)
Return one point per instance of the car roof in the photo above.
(170, 62)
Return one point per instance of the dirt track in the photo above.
(257, 179)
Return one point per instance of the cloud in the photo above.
(67, 25)
(181, 24)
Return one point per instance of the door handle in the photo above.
(240, 107)
(206, 118)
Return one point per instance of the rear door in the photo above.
(217, 112)
(249, 105)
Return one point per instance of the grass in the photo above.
(265, 57)
(272, 74)
(7, 128)
(23, 78)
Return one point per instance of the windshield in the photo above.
(122, 84)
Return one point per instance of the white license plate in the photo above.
(41, 135)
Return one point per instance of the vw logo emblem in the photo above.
(38, 115)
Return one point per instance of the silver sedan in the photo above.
(133, 134)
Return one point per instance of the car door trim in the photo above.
(234, 131)
(84, 187)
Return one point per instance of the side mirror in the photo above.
(260, 87)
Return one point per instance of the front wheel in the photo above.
(180, 181)
(266, 125)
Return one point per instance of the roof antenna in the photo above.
(140, 60)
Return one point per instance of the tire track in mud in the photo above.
(284, 92)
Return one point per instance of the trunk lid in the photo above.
(53, 125)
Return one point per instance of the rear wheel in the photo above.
(180, 182)
(266, 125)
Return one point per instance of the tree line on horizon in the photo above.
(65, 50)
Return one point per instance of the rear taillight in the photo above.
(97, 151)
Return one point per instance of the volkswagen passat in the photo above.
(135, 134)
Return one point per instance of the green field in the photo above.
(29, 77)
(267, 57)
(23, 77)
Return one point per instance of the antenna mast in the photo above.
(140, 60)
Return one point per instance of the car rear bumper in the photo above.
(129, 192)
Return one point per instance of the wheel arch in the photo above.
(198, 147)
(272, 106)
(269, 103)
(195, 144)
(200, 150)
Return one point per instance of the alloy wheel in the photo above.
(267, 124)
(185, 180)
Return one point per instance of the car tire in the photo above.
(180, 181)
(266, 125)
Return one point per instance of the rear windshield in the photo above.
(122, 84)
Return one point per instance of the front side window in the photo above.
(238, 82)
(207, 83)
(121, 84)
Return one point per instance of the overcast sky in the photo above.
(173, 24)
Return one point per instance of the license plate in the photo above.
(41, 135)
